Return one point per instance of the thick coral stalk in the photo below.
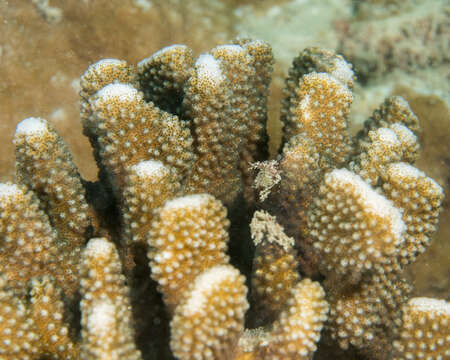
(354, 227)
(311, 61)
(296, 333)
(44, 164)
(208, 322)
(275, 271)
(129, 130)
(189, 235)
(420, 199)
(97, 76)
(19, 337)
(107, 332)
(148, 185)
(254, 146)
(30, 247)
(207, 106)
(47, 311)
(319, 112)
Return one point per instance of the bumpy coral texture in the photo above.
(156, 254)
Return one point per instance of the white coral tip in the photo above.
(205, 283)
(427, 305)
(189, 201)
(8, 191)
(119, 92)
(31, 126)
(97, 247)
(374, 203)
(343, 71)
(208, 69)
(150, 169)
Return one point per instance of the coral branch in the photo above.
(18, 333)
(148, 185)
(208, 95)
(426, 331)
(296, 333)
(420, 199)
(355, 228)
(189, 236)
(163, 76)
(47, 311)
(106, 317)
(44, 164)
(130, 130)
(30, 247)
(313, 60)
(274, 267)
(320, 108)
(208, 323)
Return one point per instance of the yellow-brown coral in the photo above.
(425, 330)
(173, 138)
(188, 236)
(106, 317)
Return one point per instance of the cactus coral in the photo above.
(177, 141)
(355, 228)
(337, 216)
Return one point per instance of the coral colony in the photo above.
(147, 263)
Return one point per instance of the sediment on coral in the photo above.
(151, 252)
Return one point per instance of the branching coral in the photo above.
(35, 328)
(177, 142)
(208, 322)
(365, 225)
(188, 237)
(105, 305)
(275, 271)
(30, 247)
